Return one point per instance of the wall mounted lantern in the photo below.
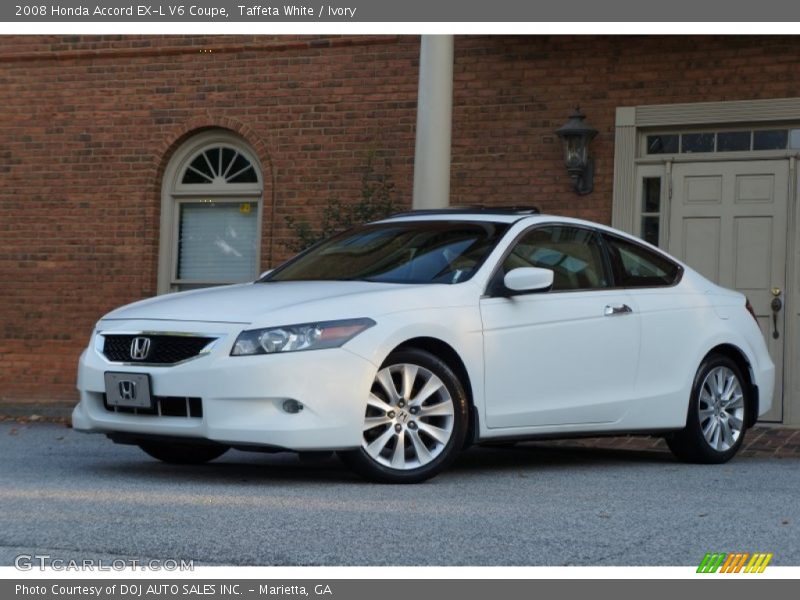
(576, 135)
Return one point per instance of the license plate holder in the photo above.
(129, 390)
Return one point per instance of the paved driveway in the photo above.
(74, 496)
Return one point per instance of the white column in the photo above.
(434, 123)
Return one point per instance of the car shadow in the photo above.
(538, 456)
(245, 467)
(235, 467)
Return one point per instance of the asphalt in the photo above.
(77, 496)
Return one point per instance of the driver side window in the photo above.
(573, 254)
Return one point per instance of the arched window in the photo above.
(210, 214)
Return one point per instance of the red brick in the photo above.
(89, 122)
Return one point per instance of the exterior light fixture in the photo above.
(576, 135)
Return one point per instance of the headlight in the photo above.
(306, 336)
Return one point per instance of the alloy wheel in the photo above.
(409, 419)
(721, 408)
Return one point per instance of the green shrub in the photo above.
(376, 202)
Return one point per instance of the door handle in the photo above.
(616, 310)
(776, 305)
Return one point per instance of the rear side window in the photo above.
(637, 266)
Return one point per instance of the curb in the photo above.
(36, 411)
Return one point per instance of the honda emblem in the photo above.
(140, 348)
(127, 389)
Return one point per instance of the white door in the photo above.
(563, 357)
(728, 220)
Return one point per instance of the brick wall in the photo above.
(512, 93)
(88, 124)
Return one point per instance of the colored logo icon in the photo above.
(736, 562)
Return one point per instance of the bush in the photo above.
(376, 202)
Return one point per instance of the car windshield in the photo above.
(400, 252)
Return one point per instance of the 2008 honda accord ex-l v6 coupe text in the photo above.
(398, 343)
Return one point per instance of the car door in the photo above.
(567, 356)
(669, 315)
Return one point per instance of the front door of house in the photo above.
(728, 220)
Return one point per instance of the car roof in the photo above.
(486, 214)
(513, 215)
(493, 214)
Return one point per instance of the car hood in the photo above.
(306, 300)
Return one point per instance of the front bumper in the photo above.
(242, 398)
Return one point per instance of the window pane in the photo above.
(651, 195)
(794, 139)
(217, 242)
(697, 142)
(217, 163)
(198, 171)
(773, 139)
(228, 154)
(246, 176)
(213, 155)
(733, 141)
(650, 227)
(662, 144)
(238, 166)
(636, 266)
(573, 254)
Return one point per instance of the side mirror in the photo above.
(525, 280)
(265, 273)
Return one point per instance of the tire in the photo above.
(716, 420)
(183, 454)
(416, 400)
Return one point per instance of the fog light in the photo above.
(292, 406)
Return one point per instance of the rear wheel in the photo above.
(415, 421)
(183, 454)
(715, 426)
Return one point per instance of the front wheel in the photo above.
(415, 420)
(183, 454)
(715, 425)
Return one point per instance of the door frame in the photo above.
(631, 124)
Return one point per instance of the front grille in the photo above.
(163, 406)
(164, 349)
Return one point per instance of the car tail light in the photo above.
(749, 308)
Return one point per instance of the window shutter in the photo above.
(217, 242)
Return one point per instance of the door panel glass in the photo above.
(794, 139)
(737, 140)
(663, 144)
(733, 141)
(650, 229)
(651, 194)
(772, 139)
(697, 142)
(650, 224)
(572, 253)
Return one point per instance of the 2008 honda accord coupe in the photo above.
(399, 343)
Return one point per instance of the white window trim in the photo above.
(655, 171)
(173, 193)
(632, 120)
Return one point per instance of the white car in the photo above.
(399, 343)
